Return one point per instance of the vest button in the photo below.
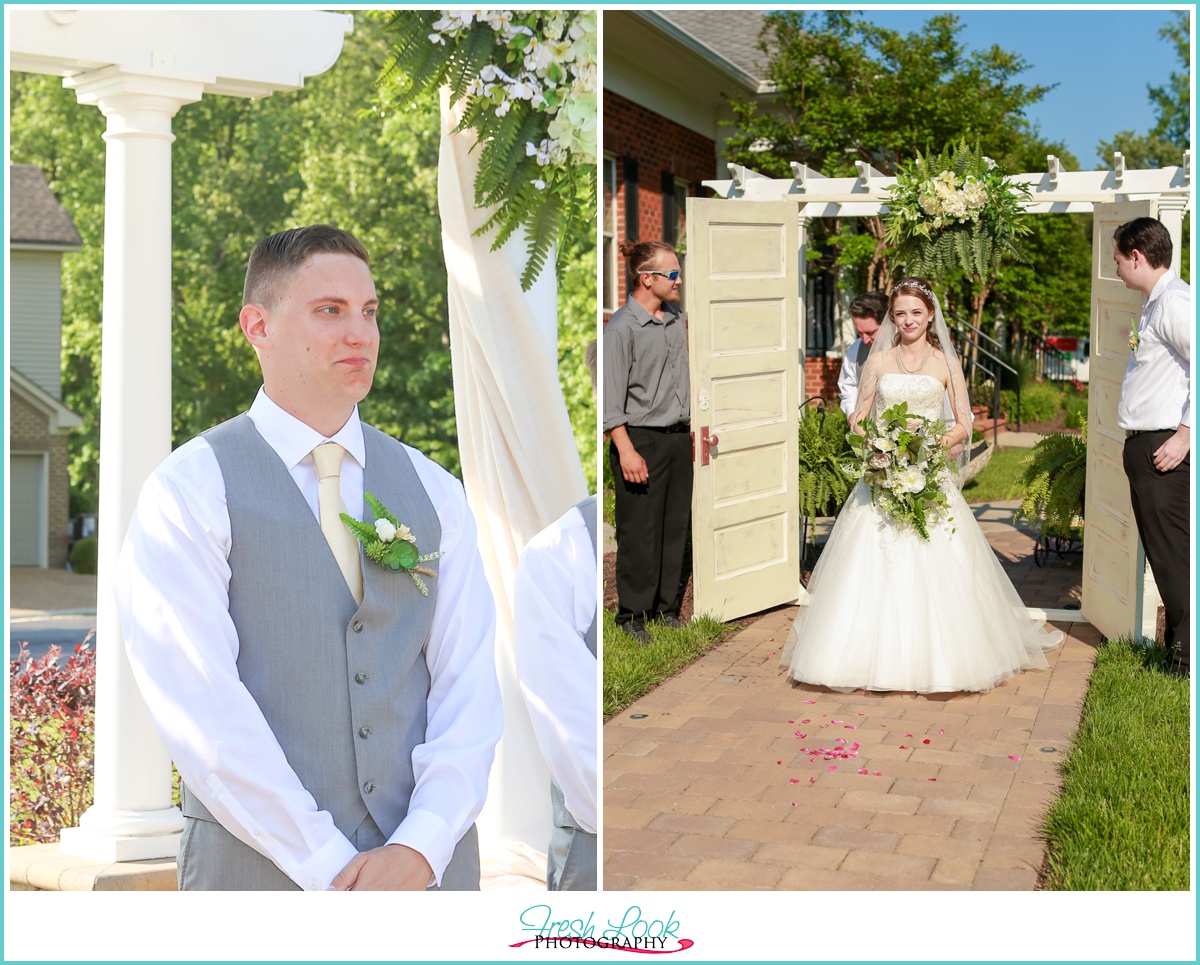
(364, 732)
(368, 787)
(360, 678)
(358, 626)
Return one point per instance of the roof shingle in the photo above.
(36, 216)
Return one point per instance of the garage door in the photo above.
(27, 511)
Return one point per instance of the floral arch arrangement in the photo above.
(528, 79)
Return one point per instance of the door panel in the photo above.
(743, 338)
(1113, 563)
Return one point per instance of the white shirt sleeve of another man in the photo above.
(554, 602)
(848, 379)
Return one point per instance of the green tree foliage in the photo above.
(334, 151)
(853, 91)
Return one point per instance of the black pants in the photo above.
(1160, 509)
(652, 522)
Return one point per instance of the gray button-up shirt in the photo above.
(646, 368)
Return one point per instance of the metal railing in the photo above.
(1050, 362)
(989, 349)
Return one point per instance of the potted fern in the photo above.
(1054, 479)
(824, 450)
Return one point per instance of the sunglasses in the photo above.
(668, 275)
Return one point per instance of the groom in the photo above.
(333, 726)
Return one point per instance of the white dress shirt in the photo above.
(848, 379)
(172, 591)
(554, 602)
(1156, 392)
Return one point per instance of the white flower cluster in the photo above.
(556, 75)
(947, 198)
(387, 532)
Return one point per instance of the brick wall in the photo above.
(820, 378)
(29, 432)
(654, 145)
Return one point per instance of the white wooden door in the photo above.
(1113, 563)
(27, 510)
(743, 339)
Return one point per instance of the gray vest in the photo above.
(343, 687)
(860, 359)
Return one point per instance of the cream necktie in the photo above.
(328, 459)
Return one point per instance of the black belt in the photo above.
(1130, 433)
(678, 427)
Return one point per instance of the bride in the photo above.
(891, 610)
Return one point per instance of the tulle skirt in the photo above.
(893, 611)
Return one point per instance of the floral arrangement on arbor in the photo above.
(528, 79)
(955, 211)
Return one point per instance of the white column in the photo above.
(132, 817)
(1170, 212)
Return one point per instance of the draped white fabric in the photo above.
(519, 460)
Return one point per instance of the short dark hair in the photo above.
(869, 305)
(274, 258)
(1147, 235)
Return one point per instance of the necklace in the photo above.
(900, 359)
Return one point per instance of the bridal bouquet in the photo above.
(901, 461)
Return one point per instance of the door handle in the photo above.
(706, 440)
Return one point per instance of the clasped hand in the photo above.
(394, 867)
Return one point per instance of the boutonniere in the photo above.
(1134, 338)
(390, 543)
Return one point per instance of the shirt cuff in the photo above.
(429, 836)
(318, 872)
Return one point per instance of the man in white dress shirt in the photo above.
(333, 726)
(1155, 411)
(868, 311)
(555, 610)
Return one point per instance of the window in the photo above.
(609, 221)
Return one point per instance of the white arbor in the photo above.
(139, 66)
(1113, 587)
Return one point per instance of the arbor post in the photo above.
(132, 817)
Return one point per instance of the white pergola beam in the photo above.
(1054, 191)
(243, 53)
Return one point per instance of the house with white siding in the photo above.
(40, 232)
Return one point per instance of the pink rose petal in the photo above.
(908, 735)
(940, 731)
(879, 773)
(833, 767)
(1014, 757)
(812, 780)
(807, 720)
(851, 727)
(810, 701)
(779, 762)
(933, 778)
(791, 722)
(864, 771)
(905, 747)
(925, 741)
(793, 780)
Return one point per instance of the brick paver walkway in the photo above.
(723, 785)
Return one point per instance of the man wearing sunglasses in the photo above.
(646, 415)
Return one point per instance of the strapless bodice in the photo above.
(923, 393)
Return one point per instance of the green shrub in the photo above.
(83, 556)
(1054, 481)
(1039, 403)
(1077, 406)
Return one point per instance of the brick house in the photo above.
(40, 231)
(668, 77)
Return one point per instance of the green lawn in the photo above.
(631, 669)
(1000, 479)
(1122, 820)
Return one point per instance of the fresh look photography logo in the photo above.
(631, 931)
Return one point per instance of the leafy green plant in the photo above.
(1039, 403)
(1054, 481)
(84, 556)
(824, 450)
(1076, 410)
(527, 83)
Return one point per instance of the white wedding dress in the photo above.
(893, 611)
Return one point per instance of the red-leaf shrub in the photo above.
(52, 706)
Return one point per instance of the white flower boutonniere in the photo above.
(1134, 339)
(390, 543)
